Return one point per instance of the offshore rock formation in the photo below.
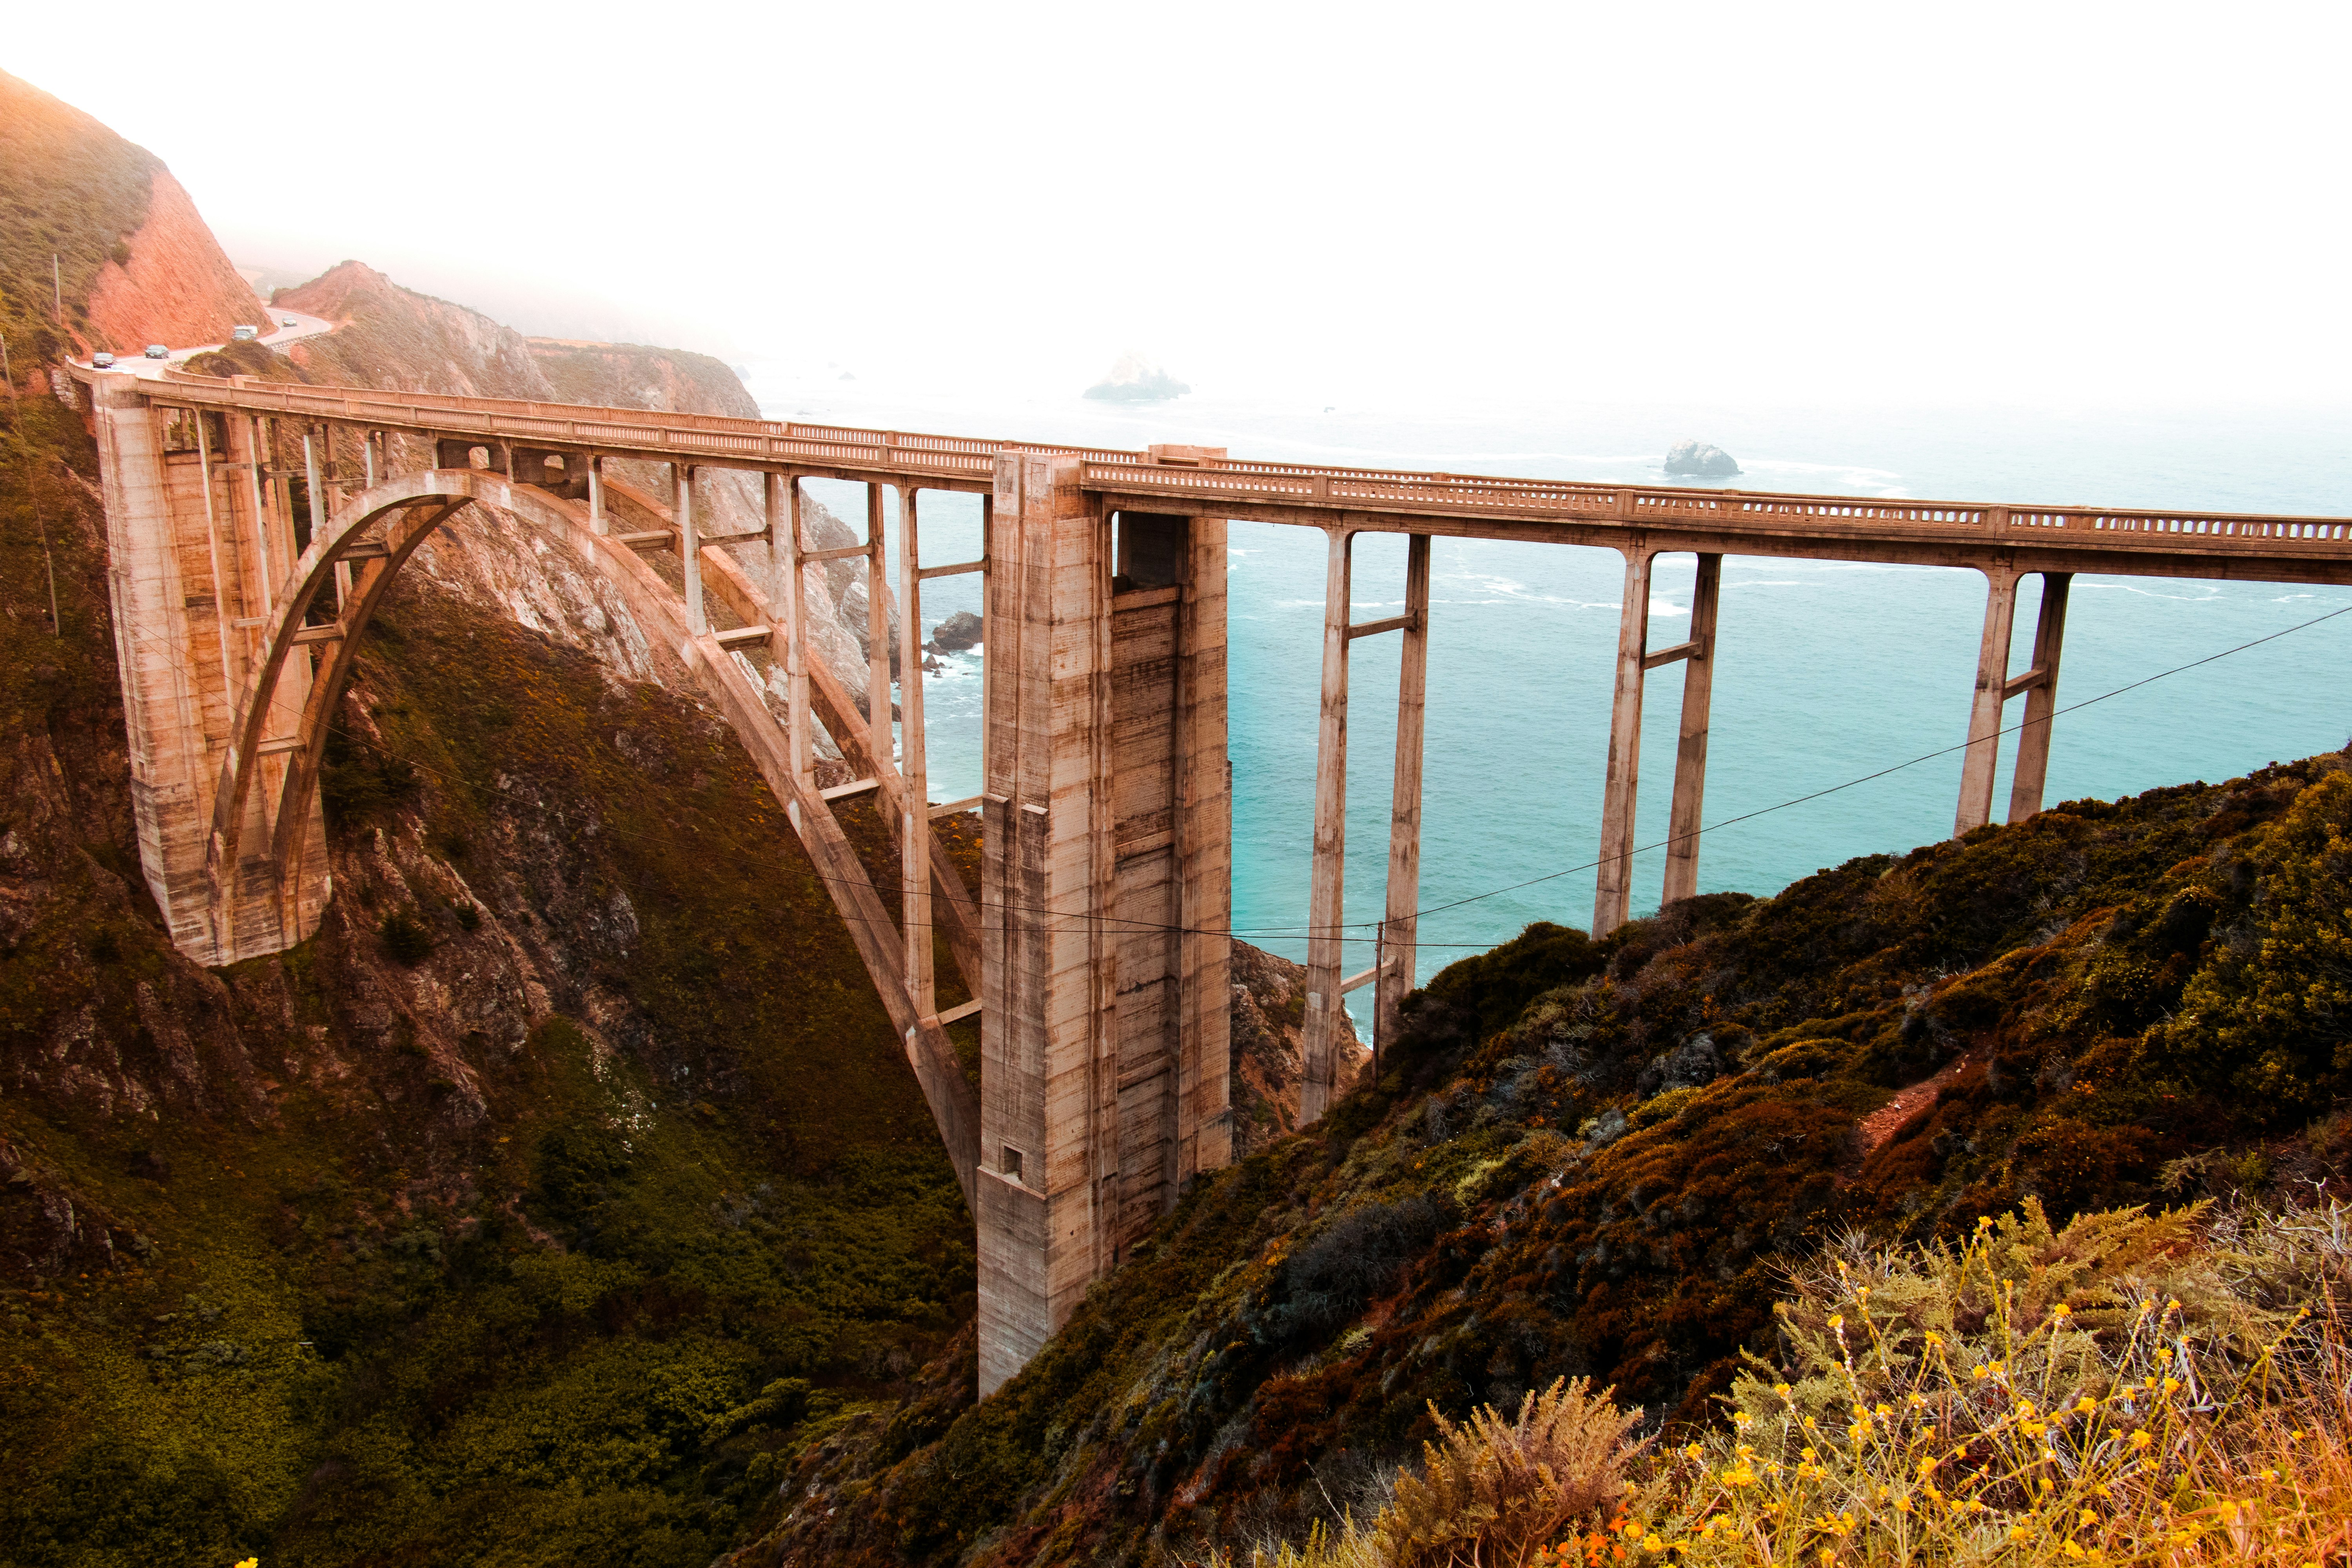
(1134, 379)
(1700, 459)
(957, 633)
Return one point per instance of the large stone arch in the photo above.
(373, 536)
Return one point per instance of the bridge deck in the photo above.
(2121, 539)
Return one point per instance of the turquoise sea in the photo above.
(1826, 671)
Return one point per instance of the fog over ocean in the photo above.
(1826, 672)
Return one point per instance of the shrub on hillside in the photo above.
(2129, 1388)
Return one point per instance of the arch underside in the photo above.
(265, 862)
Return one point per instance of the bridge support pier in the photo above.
(191, 545)
(1105, 890)
(1396, 956)
(1613, 888)
(1995, 686)
(1391, 970)
(2041, 698)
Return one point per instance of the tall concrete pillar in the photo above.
(1690, 753)
(1982, 761)
(1401, 926)
(1614, 886)
(2040, 683)
(1327, 884)
(189, 555)
(1105, 892)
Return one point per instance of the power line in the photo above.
(1897, 768)
(1308, 929)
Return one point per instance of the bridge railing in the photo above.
(971, 460)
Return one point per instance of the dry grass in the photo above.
(1495, 1491)
(2133, 1389)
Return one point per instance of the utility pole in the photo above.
(57, 287)
(41, 520)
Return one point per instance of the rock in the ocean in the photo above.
(1135, 379)
(955, 634)
(1698, 458)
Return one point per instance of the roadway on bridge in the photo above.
(289, 326)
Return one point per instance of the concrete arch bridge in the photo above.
(1096, 949)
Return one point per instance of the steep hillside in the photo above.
(134, 263)
(171, 284)
(1599, 1158)
(389, 336)
(631, 375)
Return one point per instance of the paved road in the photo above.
(278, 338)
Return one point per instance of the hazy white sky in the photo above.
(2085, 205)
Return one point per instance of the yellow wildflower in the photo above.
(2140, 1439)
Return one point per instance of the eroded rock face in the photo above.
(387, 336)
(1268, 1032)
(1699, 459)
(633, 375)
(176, 287)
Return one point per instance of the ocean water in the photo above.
(1825, 672)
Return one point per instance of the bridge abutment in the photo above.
(192, 543)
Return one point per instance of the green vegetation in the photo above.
(390, 1281)
(2135, 1388)
(254, 359)
(1599, 1158)
(72, 189)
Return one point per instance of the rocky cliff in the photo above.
(631, 375)
(134, 263)
(388, 336)
(174, 285)
(1269, 1027)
